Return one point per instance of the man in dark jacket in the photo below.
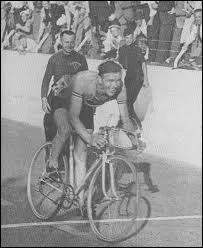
(132, 59)
(166, 12)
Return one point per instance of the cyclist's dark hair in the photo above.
(109, 66)
(68, 32)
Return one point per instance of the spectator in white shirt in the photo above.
(26, 45)
(113, 37)
(194, 38)
(141, 26)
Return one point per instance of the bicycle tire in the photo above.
(50, 206)
(122, 234)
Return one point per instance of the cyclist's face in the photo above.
(112, 83)
(68, 42)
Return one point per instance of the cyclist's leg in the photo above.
(50, 129)
(80, 158)
(80, 152)
(60, 116)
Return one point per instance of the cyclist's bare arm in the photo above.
(123, 109)
(75, 108)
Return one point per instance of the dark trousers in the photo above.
(144, 10)
(164, 45)
(132, 89)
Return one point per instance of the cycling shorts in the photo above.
(86, 113)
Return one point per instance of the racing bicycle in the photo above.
(111, 184)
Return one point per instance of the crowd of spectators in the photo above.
(173, 29)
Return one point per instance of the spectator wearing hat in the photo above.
(112, 40)
(25, 26)
(140, 25)
(131, 56)
(193, 44)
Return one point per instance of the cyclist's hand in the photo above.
(59, 86)
(98, 140)
(133, 139)
(45, 105)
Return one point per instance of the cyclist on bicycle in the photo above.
(90, 89)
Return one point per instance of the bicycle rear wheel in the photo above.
(44, 193)
(115, 217)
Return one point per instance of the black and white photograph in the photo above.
(101, 123)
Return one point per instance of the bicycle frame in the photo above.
(69, 165)
(102, 158)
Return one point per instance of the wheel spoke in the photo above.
(45, 193)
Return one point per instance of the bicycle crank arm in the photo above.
(42, 180)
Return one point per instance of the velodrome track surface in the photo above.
(173, 131)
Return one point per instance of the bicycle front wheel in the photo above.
(44, 193)
(116, 199)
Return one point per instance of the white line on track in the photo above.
(87, 221)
